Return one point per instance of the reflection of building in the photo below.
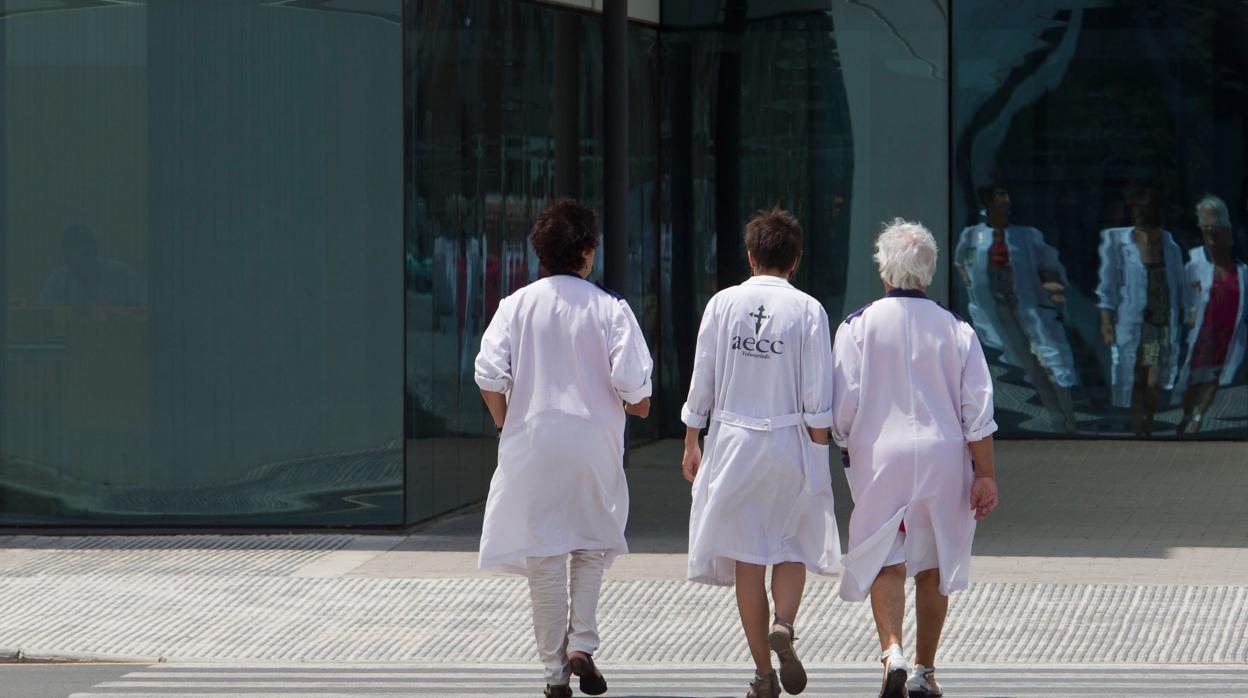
(270, 189)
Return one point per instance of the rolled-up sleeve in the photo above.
(631, 364)
(977, 421)
(492, 370)
(701, 399)
(846, 381)
(817, 373)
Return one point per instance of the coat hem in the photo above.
(704, 573)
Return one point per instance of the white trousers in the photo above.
(562, 627)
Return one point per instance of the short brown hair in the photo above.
(774, 238)
(1146, 207)
(562, 234)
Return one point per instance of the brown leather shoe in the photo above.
(592, 683)
(764, 686)
(564, 691)
(792, 673)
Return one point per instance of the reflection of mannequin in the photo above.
(1141, 281)
(87, 278)
(1215, 303)
(1015, 280)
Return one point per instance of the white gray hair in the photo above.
(906, 254)
(1218, 206)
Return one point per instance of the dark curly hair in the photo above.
(562, 234)
(774, 238)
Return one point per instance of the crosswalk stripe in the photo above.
(322, 680)
(528, 676)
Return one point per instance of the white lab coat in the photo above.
(762, 374)
(568, 354)
(912, 389)
(1123, 288)
(1199, 275)
(1030, 256)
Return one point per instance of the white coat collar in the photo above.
(764, 280)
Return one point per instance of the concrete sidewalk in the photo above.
(1112, 552)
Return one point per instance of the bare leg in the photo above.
(788, 580)
(755, 612)
(1152, 398)
(931, 607)
(1207, 393)
(888, 603)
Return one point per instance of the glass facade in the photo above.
(207, 211)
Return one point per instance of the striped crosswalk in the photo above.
(224, 680)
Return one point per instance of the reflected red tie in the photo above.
(998, 251)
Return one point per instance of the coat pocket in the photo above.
(818, 466)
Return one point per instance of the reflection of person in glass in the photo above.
(1139, 295)
(87, 278)
(1016, 282)
(1214, 313)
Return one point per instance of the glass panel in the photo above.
(507, 114)
(645, 210)
(203, 215)
(1087, 137)
(833, 110)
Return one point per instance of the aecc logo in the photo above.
(754, 346)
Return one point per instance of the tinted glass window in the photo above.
(200, 234)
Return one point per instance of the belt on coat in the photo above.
(758, 423)
(810, 468)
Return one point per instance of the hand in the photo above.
(692, 460)
(819, 436)
(1056, 291)
(641, 409)
(983, 496)
(1107, 334)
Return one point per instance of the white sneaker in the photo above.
(921, 683)
(896, 670)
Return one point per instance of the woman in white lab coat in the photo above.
(762, 489)
(914, 414)
(1216, 311)
(561, 363)
(1140, 294)
(1016, 285)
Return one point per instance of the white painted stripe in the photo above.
(992, 687)
(841, 691)
(354, 694)
(616, 676)
(667, 668)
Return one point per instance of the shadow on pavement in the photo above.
(1059, 499)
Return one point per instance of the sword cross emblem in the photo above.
(758, 324)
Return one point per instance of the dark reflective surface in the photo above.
(1099, 160)
(200, 230)
(506, 115)
(834, 111)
